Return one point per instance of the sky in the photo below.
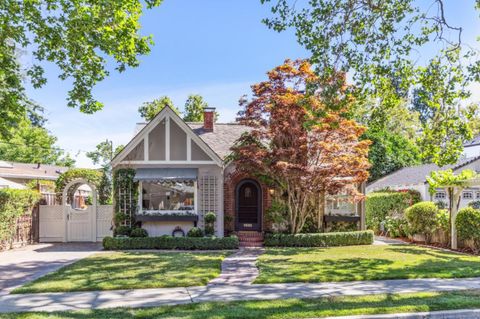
(216, 48)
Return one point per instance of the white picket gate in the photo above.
(62, 223)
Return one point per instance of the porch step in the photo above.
(251, 244)
(250, 238)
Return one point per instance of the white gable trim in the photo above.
(168, 114)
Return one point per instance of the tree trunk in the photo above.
(321, 211)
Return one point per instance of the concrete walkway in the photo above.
(172, 296)
(383, 241)
(239, 268)
(19, 266)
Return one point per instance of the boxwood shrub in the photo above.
(320, 239)
(468, 226)
(170, 242)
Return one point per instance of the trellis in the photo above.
(126, 193)
(209, 192)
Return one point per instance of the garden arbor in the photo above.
(454, 184)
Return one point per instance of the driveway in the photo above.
(21, 265)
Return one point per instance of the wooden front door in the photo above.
(248, 206)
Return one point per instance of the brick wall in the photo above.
(231, 181)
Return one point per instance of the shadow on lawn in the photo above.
(127, 270)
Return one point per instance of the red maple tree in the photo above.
(298, 145)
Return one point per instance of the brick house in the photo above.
(184, 172)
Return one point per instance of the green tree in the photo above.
(78, 36)
(148, 110)
(194, 108)
(32, 144)
(389, 152)
(103, 154)
(377, 44)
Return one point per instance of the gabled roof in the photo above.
(216, 143)
(30, 171)
(220, 140)
(415, 174)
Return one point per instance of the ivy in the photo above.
(92, 176)
(13, 204)
(125, 191)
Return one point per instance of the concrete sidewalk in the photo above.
(172, 296)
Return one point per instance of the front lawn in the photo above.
(284, 309)
(129, 270)
(351, 263)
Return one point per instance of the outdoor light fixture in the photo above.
(271, 191)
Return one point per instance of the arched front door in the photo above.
(248, 199)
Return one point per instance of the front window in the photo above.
(440, 195)
(168, 196)
(467, 195)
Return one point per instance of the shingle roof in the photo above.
(31, 171)
(223, 136)
(473, 142)
(415, 174)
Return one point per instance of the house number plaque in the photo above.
(247, 225)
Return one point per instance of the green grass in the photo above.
(363, 263)
(129, 270)
(289, 308)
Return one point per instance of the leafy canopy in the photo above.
(32, 144)
(78, 36)
(378, 43)
(194, 108)
(149, 110)
(446, 178)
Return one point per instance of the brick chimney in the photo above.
(208, 118)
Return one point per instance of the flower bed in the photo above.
(170, 242)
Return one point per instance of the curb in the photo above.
(449, 314)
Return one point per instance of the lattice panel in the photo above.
(209, 196)
(51, 212)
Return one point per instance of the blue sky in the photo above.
(216, 48)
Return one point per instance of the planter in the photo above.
(171, 218)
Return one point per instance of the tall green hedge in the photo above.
(379, 205)
(13, 204)
(320, 239)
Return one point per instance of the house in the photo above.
(415, 177)
(183, 172)
(18, 175)
(472, 148)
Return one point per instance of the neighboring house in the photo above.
(472, 148)
(17, 175)
(184, 172)
(414, 177)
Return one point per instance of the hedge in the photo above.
(382, 204)
(170, 242)
(320, 239)
(468, 226)
(13, 204)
